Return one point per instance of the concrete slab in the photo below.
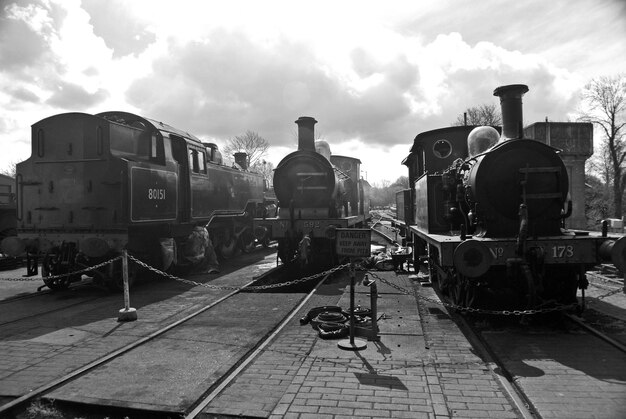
(589, 379)
(68, 336)
(171, 372)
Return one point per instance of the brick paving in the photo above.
(422, 367)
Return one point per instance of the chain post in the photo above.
(127, 314)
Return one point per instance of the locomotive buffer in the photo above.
(353, 243)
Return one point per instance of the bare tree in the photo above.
(10, 169)
(251, 143)
(605, 101)
(266, 168)
(401, 183)
(486, 114)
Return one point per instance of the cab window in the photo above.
(193, 161)
(197, 161)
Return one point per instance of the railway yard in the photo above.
(208, 347)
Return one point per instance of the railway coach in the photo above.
(97, 184)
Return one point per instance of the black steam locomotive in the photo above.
(317, 193)
(487, 211)
(97, 184)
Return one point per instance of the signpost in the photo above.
(353, 243)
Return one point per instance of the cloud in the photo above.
(74, 97)
(373, 76)
(226, 84)
(26, 33)
(24, 95)
(122, 32)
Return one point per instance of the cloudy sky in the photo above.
(373, 73)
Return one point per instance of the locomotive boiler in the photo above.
(488, 214)
(97, 184)
(317, 193)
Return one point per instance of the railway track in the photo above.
(219, 342)
(432, 302)
(559, 365)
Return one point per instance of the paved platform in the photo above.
(422, 366)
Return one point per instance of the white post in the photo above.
(127, 314)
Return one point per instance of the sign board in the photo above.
(354, 242)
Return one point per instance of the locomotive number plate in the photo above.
(153, 195)
(553, 251)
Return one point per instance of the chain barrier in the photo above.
(231, 287)
(558, 307)
(52, 277)
(610, 293)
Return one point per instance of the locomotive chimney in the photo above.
(241, 159)
(511, 104)
(306, 137)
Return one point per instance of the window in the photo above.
(197, 161)
(154, 151)
(442, 148)
(193, 160)
(202, 157)
(40, 138)
(99, 141)
(134, 144)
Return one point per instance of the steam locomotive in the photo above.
(97, 184)
(487, 211)
(8, 222)
(317, 193)
(7, 207)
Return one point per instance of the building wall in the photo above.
(575, 139)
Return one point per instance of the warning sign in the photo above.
(355, 242)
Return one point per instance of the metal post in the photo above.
(352, 283)
(373, 308)
(352, 344)
(127, 314)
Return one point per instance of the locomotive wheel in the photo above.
(50, 266)
(228, 249)
(8, 232)
(462, 291)
(247, 242)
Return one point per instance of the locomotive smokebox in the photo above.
(306, 133)
(511, 104)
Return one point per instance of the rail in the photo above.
(38, 392)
